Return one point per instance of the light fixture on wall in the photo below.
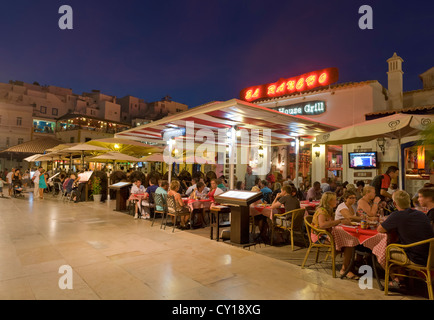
(382, 144)
(317, 150)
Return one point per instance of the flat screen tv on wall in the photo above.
(363, 160)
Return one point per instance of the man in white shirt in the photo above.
(35, 180)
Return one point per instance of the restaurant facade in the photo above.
(343, 105)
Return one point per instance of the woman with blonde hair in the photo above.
(324, 218)
(369, 203)
(175, 185)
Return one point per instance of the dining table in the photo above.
(353, 236)
(265, 209)
(310, 206)
(139, 198)
(197, 204)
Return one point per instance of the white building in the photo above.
(343, 105)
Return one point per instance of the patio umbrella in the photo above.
(83, 147)
(32, 158)
(394, 127)
(125, 146)
(115, 156)
(157, 157)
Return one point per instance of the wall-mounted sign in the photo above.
(282, 87)
(310, 108)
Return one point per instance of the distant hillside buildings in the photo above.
(31, 111)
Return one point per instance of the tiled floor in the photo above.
(115, 257)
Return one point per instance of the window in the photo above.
(8, 142)
(20, 140)
(88, 139)
(43, 110)
(19, 121)
(72, 140)
(55, 112)
(0, 119)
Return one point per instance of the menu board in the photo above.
(120, 185)
(240, 198)
(241, 195)
(85, 176)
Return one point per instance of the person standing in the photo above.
(42, 184)
(35, 180)
(250, 178)
(382, 183)
(9, 177)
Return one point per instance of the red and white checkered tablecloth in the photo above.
(351, 237)
(265, 211)
(197, 204)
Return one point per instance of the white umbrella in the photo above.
(156, 157)
(394, 127)
(32, 158)
(83, 147)
(115, 156)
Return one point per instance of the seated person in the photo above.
(426, 200)
(199, 193)
(193, 187)
(315, 192)
(348, 209)
(369, 203)
(266, 191)
(215, 190)
(153, 185)
(286, 198)
(162, 190)
(138, 189)
(180, 205)
(324, 219)
(222, 184)
(411, 226)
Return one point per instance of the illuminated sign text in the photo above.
(282, 87)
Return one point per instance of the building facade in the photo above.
(344, 105)
(31, 111)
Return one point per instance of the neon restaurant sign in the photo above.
(283, 87)
(311, 108)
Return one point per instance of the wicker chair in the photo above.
(318, 245)
(421, 271)
(174, 210)
(291, 221)
(160, 201)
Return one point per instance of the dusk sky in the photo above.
(201, 51)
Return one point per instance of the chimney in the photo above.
(395, 82)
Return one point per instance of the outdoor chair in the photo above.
(418, 271)
(175, 211)
(160, 201)
(318, 245)
(291, 221)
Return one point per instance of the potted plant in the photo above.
(96, 189)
